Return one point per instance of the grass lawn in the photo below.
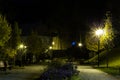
(75, 77)
(112, 55)
(113, 60)
(112, 71)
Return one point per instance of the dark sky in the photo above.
(63, 13)
(26, 11)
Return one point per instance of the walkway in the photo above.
(88, 73)
(25, 73)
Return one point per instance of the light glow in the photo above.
(80, 44)
(21, 46)
(99, 32)
(53, 43)
(50, 47)
(73, 43)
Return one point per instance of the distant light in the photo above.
(80, 44)
(25, 47)
(73, 43)
(53, 43)
(21, 46)
(50, 47)
(46, 50)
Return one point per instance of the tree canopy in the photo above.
(14, 41)
(5, 30)
(108, 36)
(34, 43)
(105, 39)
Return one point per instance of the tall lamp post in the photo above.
(99, 32)
(21, 47)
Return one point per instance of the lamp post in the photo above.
(99, 32)
(21, 47)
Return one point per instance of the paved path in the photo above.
(25, 73)
(88, 73)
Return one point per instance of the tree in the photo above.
(10, 48)
(105, 40)
(14, 41)
(5, 31)
(16, 36)
(5, 34)
(91, 42)
(34, 44)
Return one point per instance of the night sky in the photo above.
(74, 15)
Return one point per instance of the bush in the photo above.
(64, 72)
(57, 62)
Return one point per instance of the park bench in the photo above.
(2, 66)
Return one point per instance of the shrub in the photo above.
(57, 62)
(64, 72)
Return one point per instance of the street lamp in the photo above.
(99, 32)
(80, 44)
(50, 47)
(53, 43)
(21, 47)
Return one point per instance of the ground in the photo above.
(23, 73)
(34, 71)
(89, 73)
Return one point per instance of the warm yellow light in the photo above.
(50, 47)
(25, 47)
(21, 46)
(53, 43)
(99, 32)
(80, 44)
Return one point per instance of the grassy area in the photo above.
(113, 58)
(112, 71)
(113, 61)
(75, 77)
(95, 58)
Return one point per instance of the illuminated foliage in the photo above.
(16, 36)
(10, 52)
(5, 30)
(91, 42)
(105, 39)
(14, 41)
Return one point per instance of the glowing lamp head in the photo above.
(80, 44)
(53, 43)
(21, 46)
(50, 47)
(99, 32)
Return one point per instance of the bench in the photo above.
(2, 66)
